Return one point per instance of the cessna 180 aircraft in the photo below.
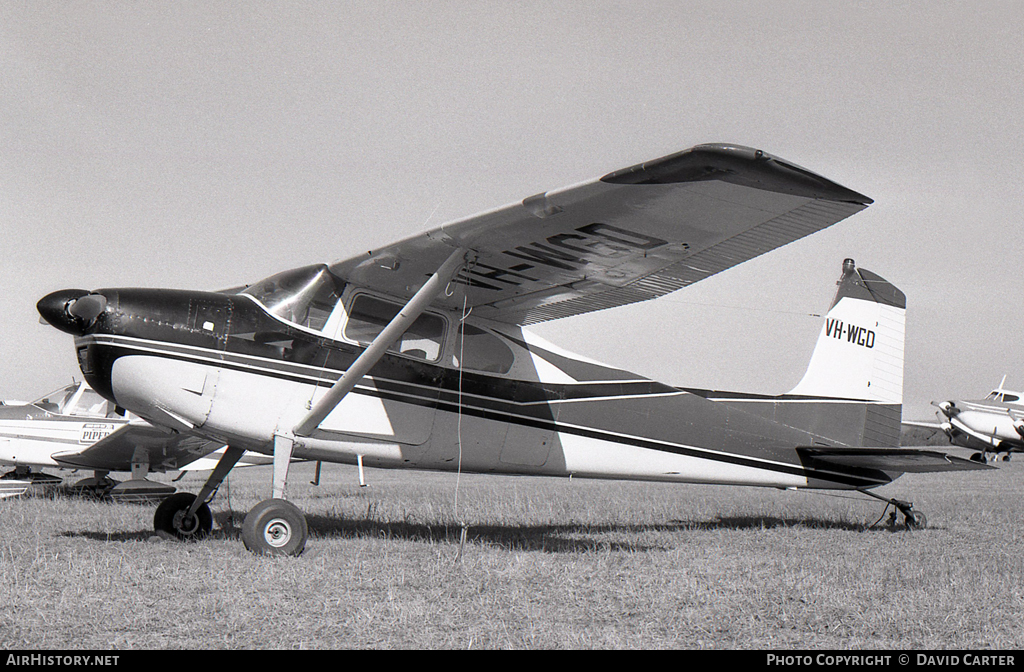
(992, 426)
(76, 428)
(416, 355)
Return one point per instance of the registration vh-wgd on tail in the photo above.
(416, 355)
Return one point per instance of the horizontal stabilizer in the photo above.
(902, 460)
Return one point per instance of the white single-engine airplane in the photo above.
(991, 426)
(76, 428)
(415, 355)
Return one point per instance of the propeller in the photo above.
(1018, 424)
(948, 408)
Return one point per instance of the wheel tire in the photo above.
(170, 518)
(916, 520)
(275, 527)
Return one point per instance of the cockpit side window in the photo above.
(369, 315)
(1009, 398)
(482, 351)
(304, 296)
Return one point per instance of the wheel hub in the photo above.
(185, 525)
(277, 532)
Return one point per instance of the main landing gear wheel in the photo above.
(170, 517)
(275, 527)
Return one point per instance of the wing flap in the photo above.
(674, 276)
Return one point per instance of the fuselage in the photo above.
(995, 422)
(498, 399)
(66, 421)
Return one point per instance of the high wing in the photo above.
(632, 235)
(167, 451)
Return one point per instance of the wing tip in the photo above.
(739, 165)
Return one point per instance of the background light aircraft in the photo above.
(416, 356)
(992, 426)
(76, 428)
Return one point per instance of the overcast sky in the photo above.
(207, 144)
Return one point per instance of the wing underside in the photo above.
(164, 451)
(630, 236)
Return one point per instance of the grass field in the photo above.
(547, 564)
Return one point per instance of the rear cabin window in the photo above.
(369, 315)
(482, 351)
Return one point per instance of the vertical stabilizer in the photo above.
(859, 354)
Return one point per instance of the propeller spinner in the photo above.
(71, 310)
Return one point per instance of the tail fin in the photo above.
(859, 356)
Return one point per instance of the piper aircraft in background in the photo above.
(416, 355)
(76, 428)
(992, 426)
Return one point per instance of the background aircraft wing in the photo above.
(922, 423)
(167, 451)
(892, 460)
(632, 235)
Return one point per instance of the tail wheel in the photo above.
(916, 520)
(275, 527)
(171, 517)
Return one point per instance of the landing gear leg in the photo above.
(913, 520)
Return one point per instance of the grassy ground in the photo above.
(547, 564)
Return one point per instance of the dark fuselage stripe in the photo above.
(391, 390)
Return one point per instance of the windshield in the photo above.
(305, 296)
(55, 401)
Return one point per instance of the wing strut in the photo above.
(385, 339)
(283, 443)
